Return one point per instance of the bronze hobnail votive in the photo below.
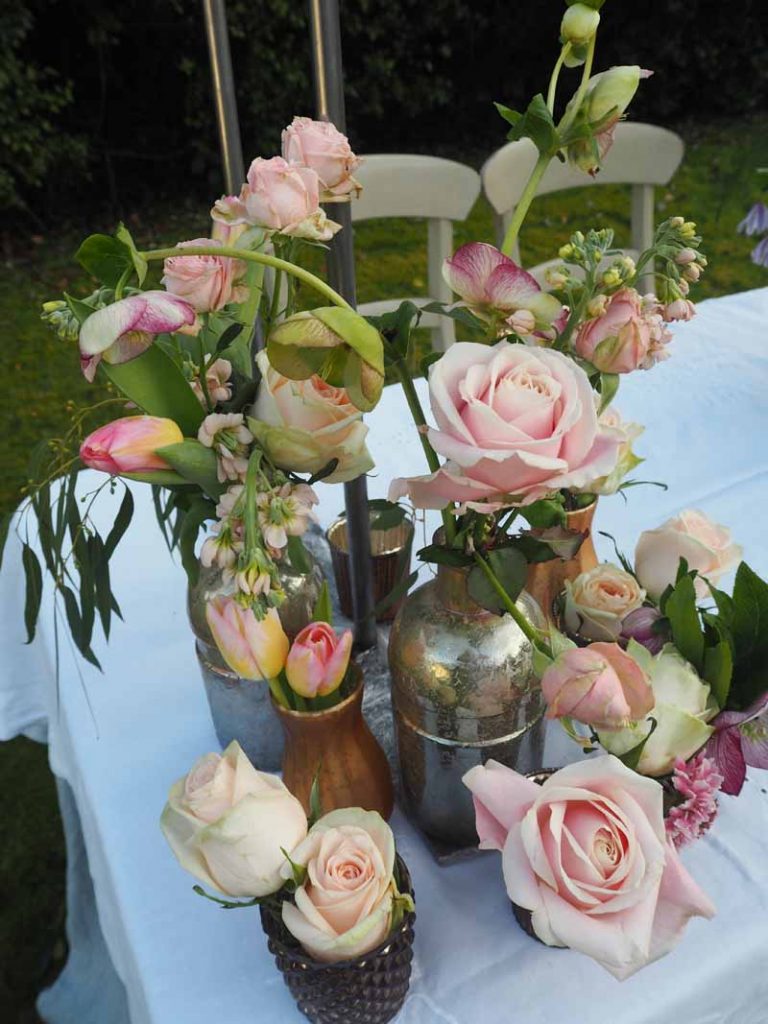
(370, 989)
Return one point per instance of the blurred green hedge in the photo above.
(113, 100)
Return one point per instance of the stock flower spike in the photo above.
(122, 331)
(128, 445)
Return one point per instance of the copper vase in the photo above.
(546, 580)
(353, 769)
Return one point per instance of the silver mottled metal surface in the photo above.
(241, 708)
(463, 691)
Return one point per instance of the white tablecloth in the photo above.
(120, 739)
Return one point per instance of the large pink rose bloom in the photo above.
(587, 854)
(515, 423)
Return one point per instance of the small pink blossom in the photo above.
(679, 309)
(285, 512)
(227, 434)
(698, 782)
(217, 382)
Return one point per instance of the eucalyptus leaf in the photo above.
(34, 589)
(192, 519)
(120, 525)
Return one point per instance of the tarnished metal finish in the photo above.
(241, 708)
(464, 691)
(390, 562)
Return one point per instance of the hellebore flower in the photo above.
(740, 739)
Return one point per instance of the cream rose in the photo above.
(344, 908)
(682, 709)
(598, 601)
(706, 547)
(303, 424)
(228, 824)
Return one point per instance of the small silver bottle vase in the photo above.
(464, 692)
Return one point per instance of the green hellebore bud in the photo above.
(612, 91)
(579, 24)
(336, 344)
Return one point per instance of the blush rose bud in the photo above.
(599, 685)
(318, 660)
(129, 445)
(253, 648)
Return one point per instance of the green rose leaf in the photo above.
(510, 567)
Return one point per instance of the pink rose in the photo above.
(619, 340)
(515, 424)
(706, 547)
(128, 445)
(599, 685)
(304, 424)
(587, 854)
(344, 908)
(321, 146)
(318, 659)
(206, 282)
(280, 197)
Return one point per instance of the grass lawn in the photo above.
(715, 186)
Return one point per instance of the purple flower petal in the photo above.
(510, 287)
(724, 748)
(756, 221)
(468, 270)
(759, 254)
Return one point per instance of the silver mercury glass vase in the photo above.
(241, 708)
(463, 692)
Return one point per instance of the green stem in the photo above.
(552, 91)
(274, 306)
(277, 693)
(533, 634)
(253, 257)
(525, 201)
(417, 413)
(544, 158)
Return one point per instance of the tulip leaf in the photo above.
(195, 463)
(105, 258)
(680, 608)
(323, 610)
(315, 800)
(163, 477)
(510, 569)
(158, 387)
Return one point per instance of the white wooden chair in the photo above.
(440, 191)
(642, 155)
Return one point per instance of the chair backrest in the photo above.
(408, 185)
(428, 187)
(642, 155)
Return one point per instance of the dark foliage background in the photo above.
(112, 100)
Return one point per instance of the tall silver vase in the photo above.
(463, 691)
(241, 708)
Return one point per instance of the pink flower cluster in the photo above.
(629, 335)
(283, 194)
(698, 782)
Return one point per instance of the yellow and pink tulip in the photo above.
(318, 660)
(253, 648)
(129, 445)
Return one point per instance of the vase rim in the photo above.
(404, 531)
(354, 696)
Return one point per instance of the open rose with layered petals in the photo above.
(706, 546)
(587, 854)
(228, 824)
(207, 282)
(280, 197)
(493, 285)
(619, 340)
(515, 424)
(304, 424)
(598, 601)
(344, 908)
(322, 147)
